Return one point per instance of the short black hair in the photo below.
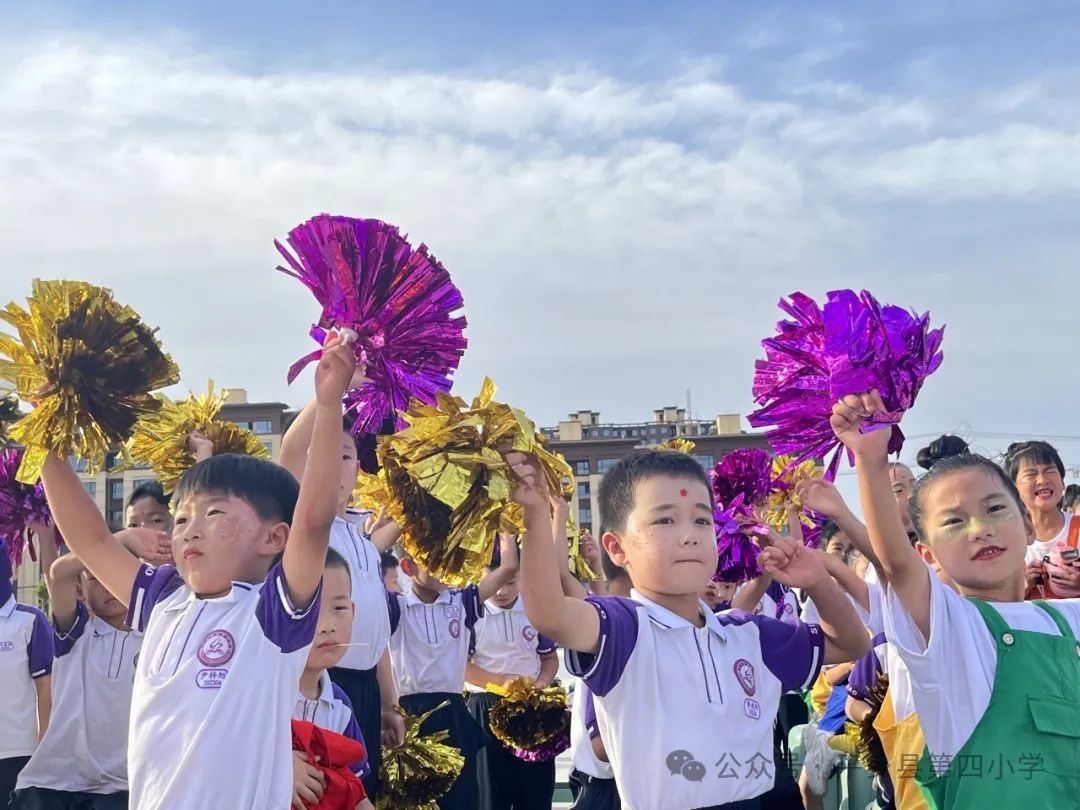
(940, 448)
(271, 490)
(829, 530)
(334, 559)
(618, 486)
(1072, 495)
(151, 489)
(367, 443)
(387, 560)
(953, 464)
(1034, 452)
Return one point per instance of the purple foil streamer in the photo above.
(549, 750)
(820, 355)
(740, 479)
(20, 506)
(399, 300)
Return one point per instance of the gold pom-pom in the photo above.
(678, 444)
(450, 487)
(9, 414)
(161, 438)
(89, 365)
(420, 771)
(370, 491)
(528, 718)
(870, 749)
(786, 476)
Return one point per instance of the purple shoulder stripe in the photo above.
(618, 638)
(864, 675)
(39, 650)
(65, 642)
(152, 585)
(793, 653)
(590, 715)
(544, 645)
(282, 623)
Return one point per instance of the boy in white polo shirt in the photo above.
(227, 630)
(81, 763)
(508, 647)
(710, 744)
(431, 637)
(364, 673)
(26, 660)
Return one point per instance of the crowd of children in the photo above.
(253, 642)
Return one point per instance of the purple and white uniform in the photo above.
(26, 654)
(85, 748)
(215, 692)
(430, 643)
(710, 739)
(583, 730)
(507, 643)
(333, 711)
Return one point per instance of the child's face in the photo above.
(349, 469)
(391, 581)
(669, 545)
(1040, 486)
(507, 595)
(335, 620)
(147, 513)
(902, 484)
(218, 539)
(838, 545)
(976, 531)
(98, 599)
(716, 592)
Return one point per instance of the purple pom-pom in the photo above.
(399, 300)
(20, 506)
(741, 478)
(817, 357)
(812, 534)
(549, 750)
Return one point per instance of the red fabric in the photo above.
(336, 753)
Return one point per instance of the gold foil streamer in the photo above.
(370, 492)
(88, 363)
(420, 771)
(678, 444)
(161, 438)
(527, 718)
(775, 508)
(450, 487)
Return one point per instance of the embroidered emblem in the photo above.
(455, 627)
(752, 709)
(528, 633)
(210, 678)
(217, 648)
(744, 671)
(7, 646)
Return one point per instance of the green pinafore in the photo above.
(1024, 754)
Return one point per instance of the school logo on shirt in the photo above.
(744, 671)
(7, 646)
(217, 648)
(210, 678)
(528, 633)
(455, 627)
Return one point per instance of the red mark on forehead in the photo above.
(683, 492)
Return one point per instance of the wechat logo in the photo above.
(683, 763)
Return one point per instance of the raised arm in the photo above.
(62, 580)
(823, 497)
(85, 531)
(383, 531)
(908, 575)
(846, 579)
(570, 585)
(316, 506)
(569, 622)
(507, 570)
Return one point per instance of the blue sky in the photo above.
(622, 190)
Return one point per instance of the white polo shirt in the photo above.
(371, 625)
(333, 711)
(507, 643)
(429, 644)
(583, 730)
(215, 692)
(711, 739)
(85, 748)
(26, 654)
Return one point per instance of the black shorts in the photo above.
(45, 799)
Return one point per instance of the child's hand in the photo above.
(309, 782)
(560, 509)
(848, 418)
(821, 496)
(393, 728)
(335, 369)
(200, 446)
(1035, 573)
(147, 544)
(792, 565)
(590, 551)
(530, 488)
(508, 551)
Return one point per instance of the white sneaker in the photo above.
(819, 760)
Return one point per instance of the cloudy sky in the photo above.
(622, 189)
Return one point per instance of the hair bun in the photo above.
(941, 448)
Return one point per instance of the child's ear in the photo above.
(276, 538)
(613, 545)
(409, 567)
(925, 553)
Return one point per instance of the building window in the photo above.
(116, 490)
(116, 519)
(91, 488)
(583, 491)
(262, 426)
(242, 423)
(269, 447)
(584, 516)
(581, 467)
(605, 464)
(705, 460)
(78, 463)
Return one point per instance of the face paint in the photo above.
(683, 492)
(969, 527)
